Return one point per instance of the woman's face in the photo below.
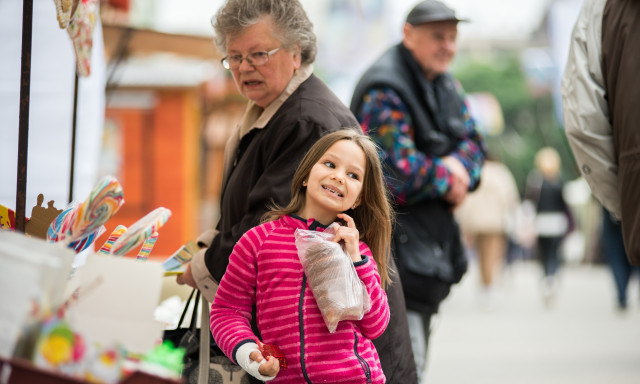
(263, 83)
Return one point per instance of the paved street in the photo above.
(581, 338)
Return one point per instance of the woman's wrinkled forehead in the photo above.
(271, 30)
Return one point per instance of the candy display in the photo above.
(141, 230)
(63, 334)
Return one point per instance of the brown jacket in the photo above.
(620, 64)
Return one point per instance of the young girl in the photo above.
(339, 179)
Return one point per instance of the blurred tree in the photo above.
(529, 118)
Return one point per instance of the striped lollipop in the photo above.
(63, 220)
(81, 220)
(84, 243)
(61, 223)
(115, 235)
(140, 231)
(147, 246)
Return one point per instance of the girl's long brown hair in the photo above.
(373, 217)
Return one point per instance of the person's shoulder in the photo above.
(277, 230)
(266, 227)
(314, 100)
(259, 232)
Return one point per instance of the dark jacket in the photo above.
(437, 115)
(427, 243)
(620, 63)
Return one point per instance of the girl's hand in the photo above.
(350, 235)
(270, 368)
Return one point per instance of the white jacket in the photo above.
(586, 113)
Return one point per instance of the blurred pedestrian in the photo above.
(487, 219)
(553, 218)
(413, 108)
(600, 93)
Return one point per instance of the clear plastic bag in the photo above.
(338, 290)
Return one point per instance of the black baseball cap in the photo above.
(430, 11)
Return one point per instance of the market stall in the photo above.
(65, 319)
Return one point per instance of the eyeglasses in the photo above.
(255, 59)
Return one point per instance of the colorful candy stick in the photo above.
(147, 246)
(80, 221)
(62, 220)
(106, 248)
(141, 230)
(83, 244)
(181, 257)
(103, 202)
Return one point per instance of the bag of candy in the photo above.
(338, 290)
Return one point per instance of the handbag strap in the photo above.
(194, 315)
(203, 374)
(186, 309)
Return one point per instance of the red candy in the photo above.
(275, 351)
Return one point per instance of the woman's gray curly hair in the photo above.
(292, 24)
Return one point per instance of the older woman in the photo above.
(269, 47)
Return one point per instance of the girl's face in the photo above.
(335, 182)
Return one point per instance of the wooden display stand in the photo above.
(19, 371)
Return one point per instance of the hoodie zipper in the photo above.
(301, 328)
(363, 362)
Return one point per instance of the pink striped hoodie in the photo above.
(264, 270)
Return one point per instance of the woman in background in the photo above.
(553, 217)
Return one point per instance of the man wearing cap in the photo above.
(414, 109)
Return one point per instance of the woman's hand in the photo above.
(350, 235)
(270, 368)
(186, 277)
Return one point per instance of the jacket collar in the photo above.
(296, 221)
